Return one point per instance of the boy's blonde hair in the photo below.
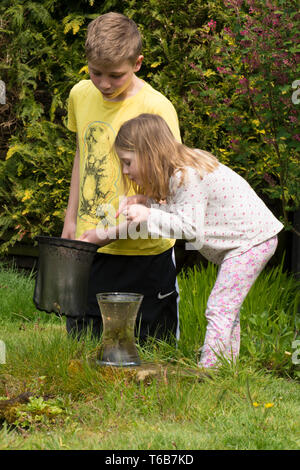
(113, 38)
(159, 155)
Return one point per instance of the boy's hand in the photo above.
(128, 201)
(69, 231)
(90, 236)
(136, 213)
(102, 237)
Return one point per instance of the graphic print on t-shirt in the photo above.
(102, 172)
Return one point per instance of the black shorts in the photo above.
(153, 276)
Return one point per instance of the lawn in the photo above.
(251, 405)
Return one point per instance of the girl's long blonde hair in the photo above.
(159, 155)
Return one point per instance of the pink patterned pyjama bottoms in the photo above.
(235, 278)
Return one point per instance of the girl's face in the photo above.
(129, 165)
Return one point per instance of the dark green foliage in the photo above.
(188, 56)
(40, 63)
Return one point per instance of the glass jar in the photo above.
(119, 311)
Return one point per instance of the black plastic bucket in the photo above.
(62, 276)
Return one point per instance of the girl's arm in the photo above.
(102, 236)
(182, 217)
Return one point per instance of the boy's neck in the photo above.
(134, 87)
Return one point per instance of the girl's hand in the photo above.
(128, 201)
(136, 213)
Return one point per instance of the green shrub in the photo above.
(40, 64)
(193, 54)
(34, 183)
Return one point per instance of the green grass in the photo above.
(270, 320)
(110, 411)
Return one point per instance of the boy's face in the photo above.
(129, 165)
(114, 81)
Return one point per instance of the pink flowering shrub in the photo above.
(245, 77)
(229, 69)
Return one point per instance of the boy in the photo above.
(97, 109)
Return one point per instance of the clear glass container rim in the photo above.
(130, 296)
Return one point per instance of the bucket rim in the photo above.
(67, 243)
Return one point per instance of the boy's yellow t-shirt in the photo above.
(97, 123)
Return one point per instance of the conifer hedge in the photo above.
(230, 67)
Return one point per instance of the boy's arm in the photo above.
(103, 237)
(69, 228)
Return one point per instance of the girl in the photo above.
(199, 199)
